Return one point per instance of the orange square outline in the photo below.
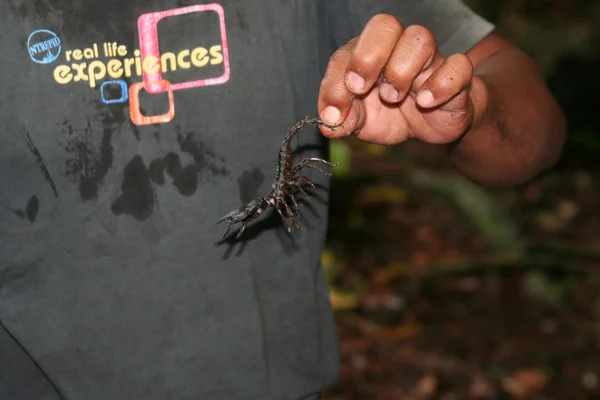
(134, 105)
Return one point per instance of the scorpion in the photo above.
(285, 183)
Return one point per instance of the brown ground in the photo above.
(429, 306)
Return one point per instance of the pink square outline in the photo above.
(148, 33)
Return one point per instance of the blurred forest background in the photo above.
(445, 290)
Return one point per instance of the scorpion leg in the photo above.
(301, 189)
(291, 215)
(319, 160)
(300, 166)
(298, 186)
(307, 163)
(295, 203)
(285, 223)
(296, 182)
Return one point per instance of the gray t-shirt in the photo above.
(128, 129)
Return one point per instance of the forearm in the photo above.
(520, 130)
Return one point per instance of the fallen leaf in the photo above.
(427, 386)
(401, 332)
(343, 301)
(389, 272)
(589, 380)
(481, 389)
(383, 194)
(567, 209)
(524, 382)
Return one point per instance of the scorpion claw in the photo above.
(243, 215)
(241, 231)
(229, 227)
(226, 232)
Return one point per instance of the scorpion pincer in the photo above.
(287, 184)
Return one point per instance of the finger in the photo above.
(452, 77)
(352, 124)
(373, 49)
(415, 54)
(334, 98)
(443, 124)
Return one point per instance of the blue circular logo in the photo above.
(43, 46)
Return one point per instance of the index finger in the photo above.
(337, 108)
(334, 98)
(372, 52)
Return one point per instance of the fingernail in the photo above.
(355, 81)
(331, 115)
(425, 98)
(388, 92)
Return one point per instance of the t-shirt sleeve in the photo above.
(456, 27)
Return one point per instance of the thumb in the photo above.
(350, 125)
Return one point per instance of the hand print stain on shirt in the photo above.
(203, 156)
(157, 171)
(138, 196)
(91, 159)
(90, 163)
(185, 179)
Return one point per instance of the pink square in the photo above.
(148, 31)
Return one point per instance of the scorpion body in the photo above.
(284, 187)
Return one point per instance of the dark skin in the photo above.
(490, 106)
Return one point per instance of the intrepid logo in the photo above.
(43, 46)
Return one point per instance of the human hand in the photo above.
(391, 83)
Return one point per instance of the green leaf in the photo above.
(339, 153)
